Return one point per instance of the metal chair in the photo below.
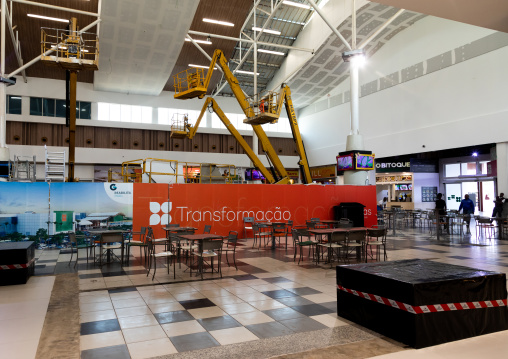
(108, 243)
(262, 233)
(73, 239)
(298, 241)
(208, 250)
(207, 229)
(247, 225)
(355, 240)
(333, 246)
(279, 231)
(153, 255)
(373, 240)
(230, 246)
(139, 242)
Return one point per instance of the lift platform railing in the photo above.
(190, 81)
(180, 125)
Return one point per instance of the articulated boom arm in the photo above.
(250, 153)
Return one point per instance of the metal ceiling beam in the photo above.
(15, 42)
(335, 31)
(192, 32)
(56, 7)
(265, 64)
(378, 31)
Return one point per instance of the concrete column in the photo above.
(502, 167)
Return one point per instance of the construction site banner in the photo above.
(223, 206)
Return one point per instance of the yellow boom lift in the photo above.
(193, 83)
(180, 130)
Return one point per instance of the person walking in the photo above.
(498, 206)
(467, 207)
(441, 209)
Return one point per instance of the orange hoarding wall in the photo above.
(224, 205)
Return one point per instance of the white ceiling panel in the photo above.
(139, 43)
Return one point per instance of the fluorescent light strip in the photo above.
(206, 42)
(47, 18)
(245, 72)
(268, 31)
(297, 4)
(271, 52)
(202, 66)
(225, 23)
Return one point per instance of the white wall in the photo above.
(424, 180)
(460, 105)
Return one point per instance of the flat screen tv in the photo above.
(364, 162)
(252, 174)
(403, 187)
(345, 162)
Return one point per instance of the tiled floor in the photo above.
(125, 314)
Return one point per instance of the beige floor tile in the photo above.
(253, 297)
(179, 289)
(96, 316)
(230, 299)
(160, 299)
(94, 299)
(166, 307)
(240, 290)
(25, 349)
(320, 298)
(182, 328)
(133, 311)
(208, 312)
(143, 334)
(119, 284)
(101, 340)
(233, 335)
(237, 308)
(128, 303)
(97, 292)
(151, 348)
(95, 307)
(214, 293)
(267, 304)
(252, 318)
(124, 295)
(189, 296)
(254, 282)
(330, 320)
(137, 321)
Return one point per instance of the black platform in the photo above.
(422, 303)
(17, 262)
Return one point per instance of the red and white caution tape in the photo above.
(432, 308)
(16, 266)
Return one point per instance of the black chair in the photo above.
(230, 246)
(376, 237)
(333, 246)
(279, 231)
(248, 223)
(73, 240)
(262, 233)
(209, 250)
(153, 255)
(138, 242)
(298, 235)
(207, 229)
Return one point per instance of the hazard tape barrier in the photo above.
(432, 308)
(16, 266)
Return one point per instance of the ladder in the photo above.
(55, 166)
(24, 169)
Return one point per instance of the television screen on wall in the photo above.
(345, 162)
(364, 162)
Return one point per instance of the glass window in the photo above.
(452, 170)
(483, 167)
(468, 168)
(114, 112)
(85, 110)
(163, 116)
(216, 122)
(14, 105)
(48, 107)
(103, 111)
(35, 106)
(146, 114)
(60, 108)
(125, 114)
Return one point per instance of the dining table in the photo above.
(328, 232)
(270, 224)
(109, 248)
(200, 238)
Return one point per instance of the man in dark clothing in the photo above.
(441, 208)
(467, 207)
(498, 206)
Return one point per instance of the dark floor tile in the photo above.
(91, 275)
(197, 303)
(276, 280)
(269, 330)
(330, 305)
(122, 290)
(173, 317)
(252, 270)
(302, 324)
(293, 301)
(312, 309)
(133, 272)
(246, 277)
(196, 341)
(40, 266)
(114, 352)
(281, 293)
(45, 271)
(304, 291)
(459, 257)
(46, 261)
(101, 326)
(283, 314)
(217, 323)
(114, 274)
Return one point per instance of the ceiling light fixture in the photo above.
(225, 23)
(206, 42)
(355, 57)
(268, 31)
(297, 4)
(271, 52)
(202, 66)
(47, 18)
(246, 72)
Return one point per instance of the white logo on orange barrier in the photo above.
(156, 208)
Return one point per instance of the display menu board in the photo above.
(429, 194)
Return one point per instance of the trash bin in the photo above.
(350, 210)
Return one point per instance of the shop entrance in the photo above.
(481, 193)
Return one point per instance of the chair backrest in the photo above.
(314, 219)
(338, 237)
(111, 237)
(207, 228)
(212, 244)
(255, 227)
(376, 232)
(248, 220)
(172, 225)
(311, 224)
(297, 236)
(356, 236)
(345, 220)
(72, 238)
(232, 237)
(280, 227)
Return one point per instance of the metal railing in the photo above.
(71, 44)
(189, 79)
